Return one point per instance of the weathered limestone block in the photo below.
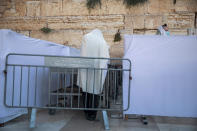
(153, 21)
(2, 8)
(150, 32)
(4, 2)
(166, 6)
(54, 8)
(33, 8)
(126, 31)
(117, 51)
(186, 6)
(10, 10)
(139, 31)
(79, 7)
(178, 31)
(137, 10)
(153, 6)
(87, 22)
(181, 20)
(76, 8)
(115, 7)
(136, 22)
(66, 37)
(21, 8)
(22, 24)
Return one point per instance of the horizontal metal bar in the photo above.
(64, 67)
(95, 109)
(68, 94)
(40, 55)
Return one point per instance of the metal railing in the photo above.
(57, 82)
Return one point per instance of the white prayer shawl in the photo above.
(93, 45)
(162, 31)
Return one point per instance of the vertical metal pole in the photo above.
(13, 85)
(108, 87)
(105, 120)
(58, 87)
(49, 87)
(33, 118)
(93, 90)
(28, 87)
(79, 89)
(101, 87)
(86, 88)
(21, 85)
(35, 88)
(71, 95)
(115, 87)
(64, 86)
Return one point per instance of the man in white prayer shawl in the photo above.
(91, 81)
(163, 30)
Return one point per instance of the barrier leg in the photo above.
(144, 120)
(105, 119)
(33, 118)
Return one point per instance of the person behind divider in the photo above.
(163, 30)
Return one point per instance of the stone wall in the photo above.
(70, 19)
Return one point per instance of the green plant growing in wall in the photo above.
(46, 30)
(117, 36)
(130, 3)
(91, 4)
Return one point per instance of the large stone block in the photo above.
(117, 51)
(21, 8)
(153, 21)
(2, 8)
(66, 37)
(87, 22)
(166, 6)
(79, 8)
(178, 32)
(4, 2)
(186, 6)
(126, 31)
(33, 8)
(181, 20)
(153, 6)
(136, 22)
(115, 7)
(10, 10)
(150, 32)
(137, 10)
(22, 24)
(51, 8)
(139, 31)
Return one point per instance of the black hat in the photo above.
(164, 25)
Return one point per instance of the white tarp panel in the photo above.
(164, 71)
(12, 42)
(93, 45)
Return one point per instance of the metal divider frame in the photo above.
(109, 85)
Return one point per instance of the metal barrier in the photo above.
(64, 82)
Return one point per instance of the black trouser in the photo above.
(90, 101)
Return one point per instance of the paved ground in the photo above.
(75, 121)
